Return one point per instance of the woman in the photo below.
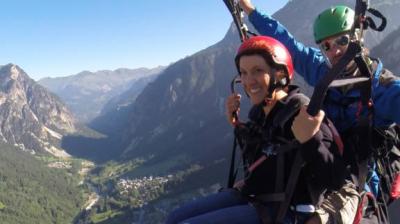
(269, 151)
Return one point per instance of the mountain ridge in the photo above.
(30, 116)
(87, 92)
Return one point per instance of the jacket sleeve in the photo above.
(308, 61)
(386, 96)
(323, 159)
(318, 147)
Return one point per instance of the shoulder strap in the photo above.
(364, 122)
(291, 184)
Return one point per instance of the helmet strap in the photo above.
(269, 98)
(274, 83)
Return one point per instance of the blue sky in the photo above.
(64, 37)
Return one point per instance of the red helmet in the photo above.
(275, 49)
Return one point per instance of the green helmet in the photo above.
(333, 21)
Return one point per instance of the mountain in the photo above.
(390, 44)
(31, 118)
(117, 108)
(183, 107)
(87, 92)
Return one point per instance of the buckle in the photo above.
(303, 208)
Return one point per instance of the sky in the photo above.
(51, 38)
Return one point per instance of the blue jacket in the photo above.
(311, 64)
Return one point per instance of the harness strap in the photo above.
(294, 174)
(280, 170)
(281, 149)
(232, 171)
(336, 137)
(347, 81)
(258, 162)
(365, 151)
(236, 13)
(365, 122)
(383, 211)
(273, 197)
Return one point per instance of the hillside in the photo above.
(31, 192)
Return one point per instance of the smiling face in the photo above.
(255, 75)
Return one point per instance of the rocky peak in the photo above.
(30, 116)
(389, 52)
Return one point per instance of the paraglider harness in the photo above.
(383, 157)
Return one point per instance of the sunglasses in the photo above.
(342, 40)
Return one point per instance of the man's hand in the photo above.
(247, 6)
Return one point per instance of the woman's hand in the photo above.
(232, 105)
(239, 185)
(305, 126)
